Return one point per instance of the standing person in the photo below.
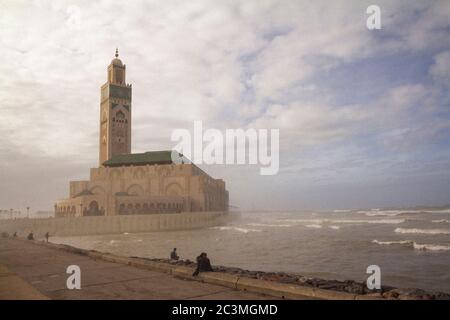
(47, 235)
(174, 255)
(30, 236)
(203, 264)
(15, 235)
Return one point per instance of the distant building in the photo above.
(43, 214)
(136, 183)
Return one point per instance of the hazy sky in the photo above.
(364, 116)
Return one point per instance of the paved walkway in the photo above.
(42, 270)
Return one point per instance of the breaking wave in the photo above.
(334, 227)
(387, 213)
(441, 221)
(438, 211)
(410, 242)
(334, 221)
(423, 231)
(393, 213)
(415, 245)
(315, 226)
(243, 230)
(382, 221)
(432, 247)
(269, 225)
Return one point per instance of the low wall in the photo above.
(112, 224)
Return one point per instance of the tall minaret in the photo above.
(115, 112)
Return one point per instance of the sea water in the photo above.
(412, 247)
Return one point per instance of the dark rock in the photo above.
(390, 294)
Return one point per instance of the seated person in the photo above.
(203, 264)
(173, 254)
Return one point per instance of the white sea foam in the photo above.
(376, 221)
(415, 245)
(315, 226)
(268, 225)
(355, 221)
(423, 231)
(441, 221)
(244, 230)
(408, 242)
(438, 211)
(293, 222)
(341, 210)
(432, 247)
(384, 213)
(334, 227)
(390, 213)
(387, 213)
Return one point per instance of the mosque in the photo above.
(128, 183)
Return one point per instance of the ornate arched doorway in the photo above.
(93, 209)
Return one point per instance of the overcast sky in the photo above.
(364, 116)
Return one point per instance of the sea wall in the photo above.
(78, 226)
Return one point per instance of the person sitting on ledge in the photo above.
(173, 254)
(203, 264)
(30, 236)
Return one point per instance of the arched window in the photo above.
(120, 116)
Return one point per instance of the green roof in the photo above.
(83, 193)
(122, 193)
(140, 159)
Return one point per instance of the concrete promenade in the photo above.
(31, 271)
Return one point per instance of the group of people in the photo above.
(31, 236)
(203, 262)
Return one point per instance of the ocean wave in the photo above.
(408, 242)
(415, 245)
(315, 226)
(387, 213)
(268, 225)
(441, 221)
(438, 211)
(334, 221)
(382, 213)
(243, 230)
(334, 227)
(432, 247)
(423, 231)
(382, 221)
(342, 210)
(302, 221)
(392, 212)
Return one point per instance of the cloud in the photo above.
(233, 64)
(440, 70)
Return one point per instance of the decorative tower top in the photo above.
(116, 70)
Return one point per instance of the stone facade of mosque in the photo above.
(128, 183)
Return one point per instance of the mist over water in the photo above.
(411, 247)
